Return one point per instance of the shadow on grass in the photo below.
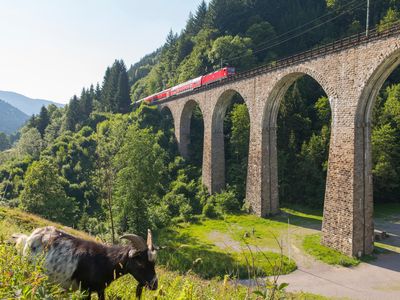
(386, 210)
(301, 216)
(187, 254)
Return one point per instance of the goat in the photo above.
(76, 263)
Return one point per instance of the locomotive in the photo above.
(190, 85)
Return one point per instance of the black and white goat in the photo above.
(76, 263)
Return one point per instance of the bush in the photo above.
(227, 202)
(210, 211)
(222, 203)
(160, 216)
(185, 211)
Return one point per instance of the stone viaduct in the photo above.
(351, 71)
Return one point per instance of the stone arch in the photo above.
(166, 112)
(165, 109)
(224, 99)
(184, 126)
(269, 155)
(363, 151)
(280, 88)
(374, 83)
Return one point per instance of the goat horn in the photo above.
(136, 241)
(149, 240)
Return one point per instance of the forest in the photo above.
(106, 166)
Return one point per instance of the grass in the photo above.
(14, 220)
(190, 287)
(20, 279)
(312, 245)
(200, 258)
(387, 210)
(214, 248)
(23, 280)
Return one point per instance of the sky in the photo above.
(51, 49)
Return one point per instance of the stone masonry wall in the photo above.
(351, 79)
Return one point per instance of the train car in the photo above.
(157, 97)
(218, 75)
(186, 86)
(191, 85)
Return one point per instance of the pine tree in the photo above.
(73, 114)
(115, 89)
(122, 97)
(86, 104)
(4, 141)
(190, 26)
(106, 91)
(171, 39)
(196, 22)
(33, 122)
(200, 16)
(43, 120)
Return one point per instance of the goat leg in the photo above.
(100, 295)
(139, 290)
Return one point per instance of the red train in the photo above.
(191, 85)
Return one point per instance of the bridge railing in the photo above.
(320, 50)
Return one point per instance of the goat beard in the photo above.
(139, 290)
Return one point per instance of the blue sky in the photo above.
(50, 49)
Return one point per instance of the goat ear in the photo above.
(132, 253)
(16, 236)
(149, 240)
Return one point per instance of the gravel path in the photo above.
(378, 279)
(375, 280)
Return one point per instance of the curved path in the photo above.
(378, 279)
(375, 280)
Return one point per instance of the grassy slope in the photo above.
(18, 221)
(22, 278)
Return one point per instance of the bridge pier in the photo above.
(213, 171)
(262, 175)
(348, 207)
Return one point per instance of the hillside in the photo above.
(11, 118)
(22, 275)
(25, 104)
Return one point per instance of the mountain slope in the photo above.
(25, 104)
(11, 118)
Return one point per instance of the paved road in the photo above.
(379, 279)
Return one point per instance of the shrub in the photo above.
(222, 203)
(185, 211)
(160, 216)
(227, 202)
(210, 211)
